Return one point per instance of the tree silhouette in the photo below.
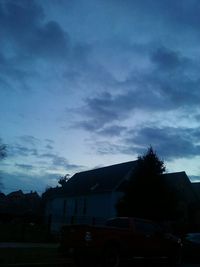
(146, 194)
(63, 180)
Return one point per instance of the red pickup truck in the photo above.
(120, 239)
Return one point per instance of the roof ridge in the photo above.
(174, 173)
(108, 166)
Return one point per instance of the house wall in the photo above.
(53, 213)
(94, 208)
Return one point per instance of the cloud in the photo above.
(49, 41)
(29, 140)
(38, 156)
(98, 111)
(167, 59)
(171, 83)
(175, 77)
(28, 41)
(23, 23)
(113, 130)
(49, 144)
(49, 147)
(108, 108)
(182, 14)
(50, 141)
(121, 64)
(62, 162)
(110, 148)
(20, 150)
(58, 161)
(169, 142)
(19, 17)
(28, 182)
(26, 167)
(12, 71)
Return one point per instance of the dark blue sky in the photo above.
(93, 83)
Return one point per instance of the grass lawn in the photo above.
(28, 254)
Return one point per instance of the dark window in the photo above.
(64, 207)
(147, 227)
(84, 206)
(118, 222)
(75, 206)
(193, 237)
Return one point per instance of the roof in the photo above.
(114, 178)
(180, 182)
(99, 180)
(32, 195)
(196, 187)
(18, 193)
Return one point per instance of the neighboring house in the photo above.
(196, 187)
(20, 206)
(91, 196)
(187, 198)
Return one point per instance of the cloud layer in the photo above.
(83, 81)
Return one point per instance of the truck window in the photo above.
(118, 222)
(147, 227)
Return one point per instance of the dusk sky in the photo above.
(90, 83)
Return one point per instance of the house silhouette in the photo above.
(91, 196)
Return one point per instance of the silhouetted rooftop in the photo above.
(114, 178)
(196, 187)
(98, 180)
(180, 182)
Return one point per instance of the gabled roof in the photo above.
(196, 187)
(114, 178)
(99, 180)
(181, 184)
(14, 194)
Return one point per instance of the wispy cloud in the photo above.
(59, 161)
(101, 77)
(170, 142)
(30, 182)
(29, 140)
(20, 150)
(25, 166)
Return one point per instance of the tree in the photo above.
(146, 194)
(63, 179)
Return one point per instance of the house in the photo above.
(180, 184)
(196, 187)
(20, 206)
(88, 197)
(91, 196)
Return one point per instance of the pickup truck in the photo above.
(120, 239)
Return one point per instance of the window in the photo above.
(84, 206)
(76, 207)
(64, 207)
(118, 222)
(147, 227)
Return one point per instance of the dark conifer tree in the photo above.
(146, 194)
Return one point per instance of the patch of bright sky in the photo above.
(179, 165)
